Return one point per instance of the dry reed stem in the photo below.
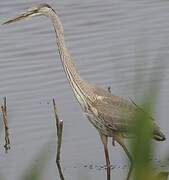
(59, 127)
(5, 122)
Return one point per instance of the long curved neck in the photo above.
(67, 62)
(71, 72)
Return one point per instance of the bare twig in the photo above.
(56, 116)
(5, 121)
(60, 170)
(59, 126)
(60, 130)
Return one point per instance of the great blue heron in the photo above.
(110, 115)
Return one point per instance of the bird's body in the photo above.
(111, 115)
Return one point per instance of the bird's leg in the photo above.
(113, 141)
(120, 140)
(105, 142)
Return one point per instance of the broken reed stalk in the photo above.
(59, 126)
(60, 130)
(5, 121)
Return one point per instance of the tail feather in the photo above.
(159, 136)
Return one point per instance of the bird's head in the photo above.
(36, 10)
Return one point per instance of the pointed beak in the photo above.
(20, 17)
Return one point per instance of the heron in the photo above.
(111, 115)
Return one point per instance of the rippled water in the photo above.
(112, 42)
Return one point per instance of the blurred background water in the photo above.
(117, 43)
